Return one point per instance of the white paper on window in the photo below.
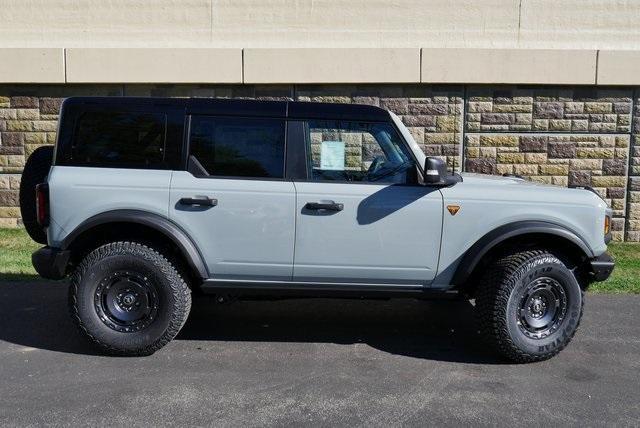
(332, 155)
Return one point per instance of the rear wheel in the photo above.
(35, 172)
(128, 299)
(529, 305)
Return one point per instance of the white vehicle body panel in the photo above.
(385, 234)
(249, 234)
(488, 202)
(79, 193)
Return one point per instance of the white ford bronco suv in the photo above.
(144, 201)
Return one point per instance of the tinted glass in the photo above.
(119, 139)
(357, 151)
(239, 147)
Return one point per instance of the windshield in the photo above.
(415, 148)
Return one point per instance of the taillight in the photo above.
(607, 225)
(42, 204)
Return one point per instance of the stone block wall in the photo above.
(633, 203)
(578, 136)
(583, 136)
(542, 109)
(25, 123)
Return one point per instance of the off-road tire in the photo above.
(499, 305)
(173, 298)
(35, 172)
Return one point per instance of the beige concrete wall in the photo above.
(535, 66)
(319, 65)
(580, 24)
(365, 23)
(547, 24)
(619, 67)
(154, 65)
(331, 65)
(105, 23)
(32, 65)
(178, 41)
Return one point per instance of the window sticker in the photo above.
(332, 155)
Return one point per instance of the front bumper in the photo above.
(601, 267)
(51, 263)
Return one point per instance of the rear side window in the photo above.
(239, 147)
(119, 139)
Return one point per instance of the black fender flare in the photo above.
(161, 224)
(474, 255)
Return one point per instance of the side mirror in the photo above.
(435, 171)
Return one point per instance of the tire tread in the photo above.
(179, 288)
(494, 290)
(35, 172)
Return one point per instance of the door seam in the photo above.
(169, 195)
(295, 227)
(441, 239)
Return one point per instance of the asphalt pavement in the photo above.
(314, 362)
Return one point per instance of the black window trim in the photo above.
(296, 150)
(187, 148)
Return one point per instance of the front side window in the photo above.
(119, 139)
(239, 147)
(357, 151)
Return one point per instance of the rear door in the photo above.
(234, 201)
(362, 216)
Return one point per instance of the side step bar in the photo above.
(321, 289)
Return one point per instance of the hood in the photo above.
(496, 180)
(513, 187)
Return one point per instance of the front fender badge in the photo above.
(453, 209)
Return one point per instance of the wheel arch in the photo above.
(141, 222)
(525, 232)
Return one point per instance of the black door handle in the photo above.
(204, 202)
(329, 206)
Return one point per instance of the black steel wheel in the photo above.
(543, 306)
(128, 299)
(529, 305)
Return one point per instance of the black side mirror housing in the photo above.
(435, 171)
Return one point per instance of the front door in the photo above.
(362, 217)
(234, 201)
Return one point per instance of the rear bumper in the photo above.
(51, 263)
(601, 267)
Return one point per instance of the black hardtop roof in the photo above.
(242, 107)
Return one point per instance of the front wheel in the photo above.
(128, 298)
(529, 305)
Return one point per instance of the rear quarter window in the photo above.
(118, 140)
